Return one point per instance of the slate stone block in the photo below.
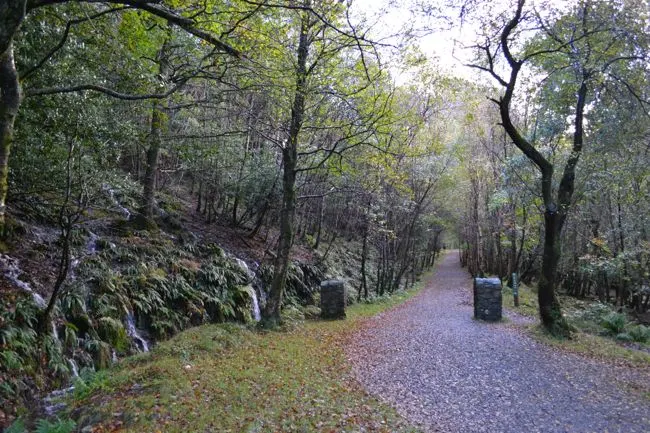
(332, 299)
(487, 299)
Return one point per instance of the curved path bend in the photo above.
(448, 373)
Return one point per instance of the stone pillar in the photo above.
(487, 299)
(332, 299)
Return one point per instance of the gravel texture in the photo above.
(449, 373)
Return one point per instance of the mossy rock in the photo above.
(102, 357)
(112, 331)
(82, 324)
(142, 222)
(14, 228)
(171, 223)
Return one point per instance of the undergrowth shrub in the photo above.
(292, 316)
(303, 282)
(43, 426)
(311, 312)
(165, 287)
(57, 426)
(614, 323)
(595, 312)
(18, 348)
(639, 333)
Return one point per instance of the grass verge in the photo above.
(595, 346)
(229, 378)
(589, 339)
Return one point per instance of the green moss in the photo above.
(112, 331)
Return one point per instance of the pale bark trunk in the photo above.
(9, 103)
(12, 13)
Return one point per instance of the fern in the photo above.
(58, 426)
(11, 360)
(73, 302)
(614, 323)
(639, 333)
(18, 426)
(70, 339)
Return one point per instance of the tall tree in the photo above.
(289, 165)
(587, 45)
(321, 101)
(158, 116)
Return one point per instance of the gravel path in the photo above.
(449, 373)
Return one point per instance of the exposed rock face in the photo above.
(487, 299)
(332, 299)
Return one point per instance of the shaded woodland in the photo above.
(169, 164)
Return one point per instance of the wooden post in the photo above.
(515, 288)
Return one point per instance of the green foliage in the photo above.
(292, 316)
(624, 336)
(168, 287)
(92, 382)
(18, 346)
(614, 323)
(311, 312)
(57, 426)
(595, 312)
(112, 331)
(303, 282)
(639, 333)
(18, 426)
(44, 426)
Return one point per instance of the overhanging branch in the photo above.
(101, 89)
(156, 8)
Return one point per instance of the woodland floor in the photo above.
(447, 372)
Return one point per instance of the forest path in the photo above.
(449, 373)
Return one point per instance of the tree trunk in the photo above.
(9, 103)
(364, 256)
(149, 187)
(321, 216)
(157, 121)
(549, 306)
(68, 217)
(199, 196)
(271, 313)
